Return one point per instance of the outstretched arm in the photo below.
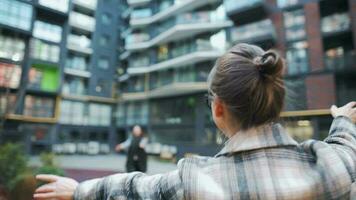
(119, 186)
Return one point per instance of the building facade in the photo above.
(57, 65)
(78, 74)
(170, 47)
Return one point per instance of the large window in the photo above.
(39, 106)
(47, 31)
(297, 58)
(75, 85)
(16, 14)
(99, 114)
(137, 113)
(43, 51)
(10, 75)
(294, 22)
(12, 48)
(179, 110)
(72, 113)
(77, 62)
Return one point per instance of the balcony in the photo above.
(87, 4)
(62, 6)
(336, 30)
(199, 51)
(180, 27)
(174, 9)
(82, 22)
(246, 11)
(174, 89)
(80, 44)
(337, 60)
(260, 33)
(135, 3)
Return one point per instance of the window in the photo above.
(294, 22)
(10, 75)
(137, 113)
(297, 58)
(99, 114)
(162, 53)
(104, 40)
(16, 14)
(7, 103)
(295, 94)
(103, 63)
(73, 113)
(106, 19)
(74, 85)
(77, 62)
(102, 86)
(39, 106)
(12, 48)
(44, 51)
(335, 22)
(47, 31)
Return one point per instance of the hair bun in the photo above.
(269, 63)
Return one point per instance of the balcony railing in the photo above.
(253, 32)
(82, 21)
(168, 9)
(182, 54)
(179, 27)
(61, 6)
(90, 4)
(137, 2)
(79, 43)
(336, 23)
(343, 61)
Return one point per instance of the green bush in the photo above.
(13, 163)
(49, 165)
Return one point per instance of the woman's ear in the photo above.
(218, 108)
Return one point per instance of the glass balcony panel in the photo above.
(75, 86)
(250, 31)
(141, 13)
(43, 51)
(335, 22)
(87, 3)
(47, 31)
(137, 38)
(82, 21)
(61, 6)
(16, 14)
(79, 40)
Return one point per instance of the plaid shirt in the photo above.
(261, 163)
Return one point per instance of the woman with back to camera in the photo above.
(259, 161)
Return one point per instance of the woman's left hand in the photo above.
(60, 188)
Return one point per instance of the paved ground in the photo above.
(82, 167)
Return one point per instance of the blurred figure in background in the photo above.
(135, 147)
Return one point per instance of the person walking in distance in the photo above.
(135, 147)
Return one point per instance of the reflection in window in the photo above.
(297, 58)
(295, 98)
(294, 22)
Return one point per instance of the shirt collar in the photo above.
(271, 135)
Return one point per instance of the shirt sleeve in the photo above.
(125, 145)
(134, 185)
(342, 137)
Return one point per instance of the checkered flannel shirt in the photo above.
(261, 163)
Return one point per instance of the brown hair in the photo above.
(249, 81)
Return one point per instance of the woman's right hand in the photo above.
(348, 110)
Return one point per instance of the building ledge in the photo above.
(187, 59)
(88, 98)
(171, 11)
(179, 32)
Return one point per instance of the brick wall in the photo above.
(312, 28)
(320, 91)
